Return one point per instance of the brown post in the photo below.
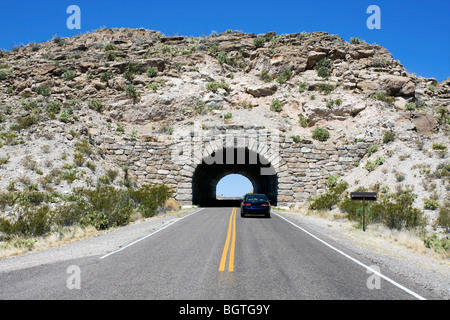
(364, 214)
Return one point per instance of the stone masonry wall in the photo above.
(302, 168)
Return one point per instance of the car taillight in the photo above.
(265, 204)
(246, 204)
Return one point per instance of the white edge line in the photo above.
(149, 235)
(354, 260)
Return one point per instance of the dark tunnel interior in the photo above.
(232, 161)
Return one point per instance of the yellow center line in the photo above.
(233, 242)
(231, 227)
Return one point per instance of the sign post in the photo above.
(363, 196)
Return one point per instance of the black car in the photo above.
(255, 204)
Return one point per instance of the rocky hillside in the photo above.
(60, 98)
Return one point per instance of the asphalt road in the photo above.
(214, 254)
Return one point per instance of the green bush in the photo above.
(53, 108)
(222, 57)
(437, 243)
(354, 210)
(371, 166)
(396, 210)
(323, 68)
(259, 42)
(388, 136)
(214, 86)
(328, 199)
(96, 105)
(276, 105)
(152, 72)
(321, 134)
(111, 55)
(372, 149)
(27, 222)
(439, 146)
(443, 219)
(148, 198)
(131, 92)
(105, 76)
(431, 204)
(355, 40)
(69, 75)
(284, 76)
(4, 74)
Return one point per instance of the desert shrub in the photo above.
(149, 198)
(396, 210)
(107, 207)
(222, 57)
(325, 88)
(321, 134)
(355, 40)
(327, 200)
(4, 74)
(372, 149)
(152, 72)
(303, 121)
(109, 47)
(214, 86)
(284, 76)
(443, 219)
(95, 105)
(111, 55)
(66, 115)
(53, 108)
(439, 146)
(69, 75)
(323, 68)
(276, 105)
(83, 147)
(431, 204)
(371, 166)
(259, 42)
(131, 92)
(27, 221)
(105, 76)
(437, 243)
(388, 136)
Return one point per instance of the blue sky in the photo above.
(416, 32)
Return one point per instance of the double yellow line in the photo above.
(230, 236)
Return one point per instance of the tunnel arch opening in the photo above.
(223, 162)
(233, 186)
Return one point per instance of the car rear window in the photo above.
(253, 197)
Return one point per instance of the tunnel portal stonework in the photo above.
(193, 163)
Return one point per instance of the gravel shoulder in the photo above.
(389, 250)
(98, 245)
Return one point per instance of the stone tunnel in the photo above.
(227, 161)
(193, 163)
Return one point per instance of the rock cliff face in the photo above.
(135, 84)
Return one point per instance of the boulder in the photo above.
(262, 90)
(424, 122)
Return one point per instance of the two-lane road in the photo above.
(214, 254)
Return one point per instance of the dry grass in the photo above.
(64, 236)
(377, 236)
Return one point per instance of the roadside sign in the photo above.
(363, 196)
